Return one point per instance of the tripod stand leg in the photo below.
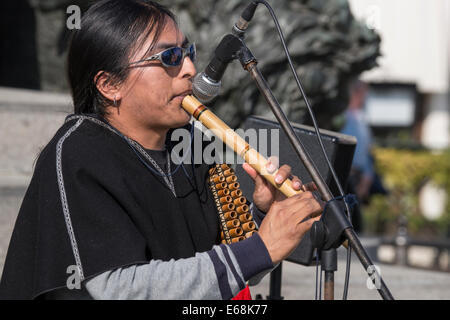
(275, 284)
(328, 292)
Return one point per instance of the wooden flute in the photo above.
(222, 131)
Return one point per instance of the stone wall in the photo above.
(28, 120)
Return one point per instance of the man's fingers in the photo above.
(250, 171)
(309, 222)
(296, 183)
(257, 178)
(310, 186)
(282, 174)
(303, 205)
(272, 164)
(314, 205)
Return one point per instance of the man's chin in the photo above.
(182, 121)
(188, 115)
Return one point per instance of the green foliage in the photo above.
(404, 173)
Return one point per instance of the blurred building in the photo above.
(410, 88)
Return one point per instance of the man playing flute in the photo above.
(106, 215)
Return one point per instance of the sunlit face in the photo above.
(152, 94)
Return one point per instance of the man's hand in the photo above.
(265, 193)
(287, 222)
(287, 219)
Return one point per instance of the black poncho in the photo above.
(92, 203)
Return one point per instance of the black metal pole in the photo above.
(275, 284)
(286, 125)
(328, 287)
(328, 261)
(368, 264)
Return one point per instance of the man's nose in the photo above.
(188, 69)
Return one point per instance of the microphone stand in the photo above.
(334, 227)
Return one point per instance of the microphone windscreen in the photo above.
(204, 89)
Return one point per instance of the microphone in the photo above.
(206, 85)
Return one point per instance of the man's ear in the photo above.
(107, 87)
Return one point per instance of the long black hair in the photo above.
(111, 31)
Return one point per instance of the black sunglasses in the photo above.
(172, 57)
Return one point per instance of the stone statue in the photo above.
(328, 47)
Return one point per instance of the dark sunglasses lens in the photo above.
(192, 53)
(172, 57)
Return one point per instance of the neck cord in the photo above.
(167, 177)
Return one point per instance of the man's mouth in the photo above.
(182, 95)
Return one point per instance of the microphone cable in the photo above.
(313, 118)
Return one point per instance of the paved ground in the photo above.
(298, 282)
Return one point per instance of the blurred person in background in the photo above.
(363, 180)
